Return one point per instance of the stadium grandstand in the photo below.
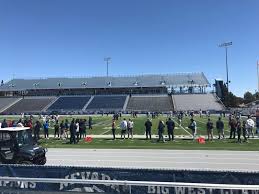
(29, 105)
(151, 103)
(155, 93)
(197, 102)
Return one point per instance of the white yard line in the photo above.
(182, 127)
(105, 132)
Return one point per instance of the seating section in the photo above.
(29, 105)
(5, 102)
(69, 103)
(150, 103)
(196, 102)
(107, 103)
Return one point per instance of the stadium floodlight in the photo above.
(226, 45)
(108, 60)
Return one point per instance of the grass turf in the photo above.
(102, 125)
(179, 144)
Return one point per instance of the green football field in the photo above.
(102, 126)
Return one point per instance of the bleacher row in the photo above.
(107, 103)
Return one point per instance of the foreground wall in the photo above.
(118, 174)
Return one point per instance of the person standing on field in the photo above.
(113, 128)
(239, 129)
(193, 127)
(180, 118)
(46, 129)
(232, 125)
(250, 124)
(72, 129)
(170, 129)
(4, 124)
(66, 128)
(130, 128)
(124, 127)
(161, 127)
(56, 127)
(37, 131)
(62, 130)
(220, 128)
(90, 122)
(77, 130)
(210, 129)
(83, 125)
(148, 125)
(244, 129)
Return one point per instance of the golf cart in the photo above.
(17, 147)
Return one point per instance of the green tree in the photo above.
(249, 97)
(229, 99)
(256, 96)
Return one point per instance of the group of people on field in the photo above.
(74, 130)
(237, 126)
(127, 126)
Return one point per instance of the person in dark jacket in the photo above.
(210, 129)
(170, 129)
(62, 130)
(161, 127)
(148, 125)
(220, 128)
(66, 128)
(72, 130)
(90, 122)
(37, 128)
(83, 125)
(232, 125)
(56, 128)
(4, 124)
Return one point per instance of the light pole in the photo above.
(226, 45)
(107, 59)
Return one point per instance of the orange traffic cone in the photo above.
(201, 140)
(88, 139)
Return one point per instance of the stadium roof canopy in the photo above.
(163, 80)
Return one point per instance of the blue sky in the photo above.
(71, 37)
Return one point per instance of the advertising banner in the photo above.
(88, 173)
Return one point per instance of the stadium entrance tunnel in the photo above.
(52, 179)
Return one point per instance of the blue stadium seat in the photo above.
(107, 103)
(69, 103)
(29, 105)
